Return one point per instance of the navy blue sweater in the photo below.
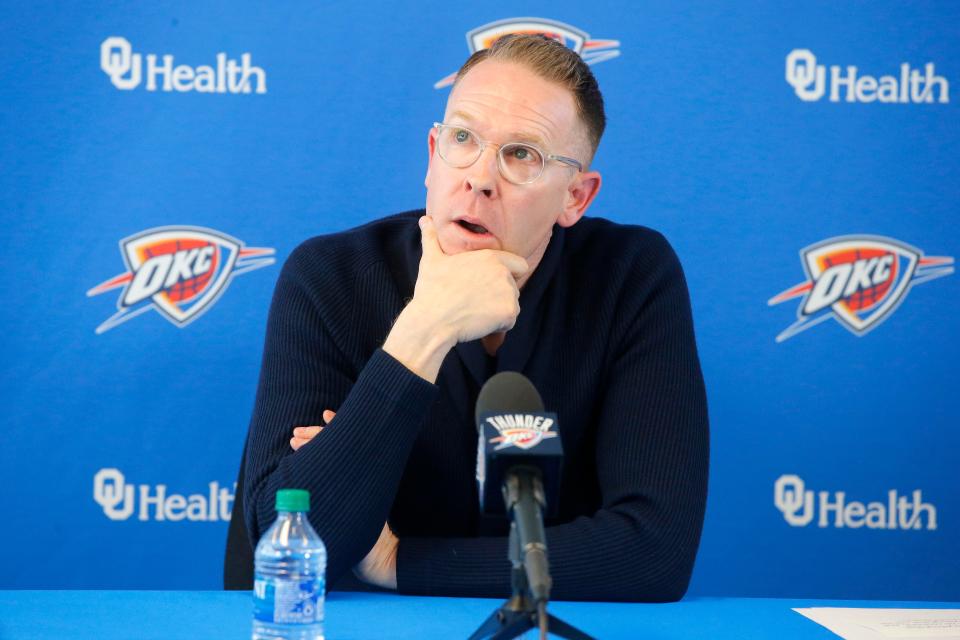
(606, 336)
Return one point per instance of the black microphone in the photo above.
(519, 454)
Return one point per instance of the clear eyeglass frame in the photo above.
(482, 144)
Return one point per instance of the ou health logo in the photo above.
(858, 280)
(226, 75)
(179, 271)
(907, 85)
(592, 51)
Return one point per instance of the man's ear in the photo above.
(580, 193)
(431, 147)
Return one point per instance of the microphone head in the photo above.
(514, 430)
(508, 391)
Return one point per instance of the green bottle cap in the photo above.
(293, 500)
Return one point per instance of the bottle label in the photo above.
(288, 601)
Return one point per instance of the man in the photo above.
(393, 328)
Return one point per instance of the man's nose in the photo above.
(482, 174)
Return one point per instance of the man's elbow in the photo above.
(670, 590)
(646, 587)
(665, 577)
(658, 574)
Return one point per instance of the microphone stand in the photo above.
(520, 613)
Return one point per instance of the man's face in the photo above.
(505, 102)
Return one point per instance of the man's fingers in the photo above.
(517, 265)
(303, 435)
(296, 441)
(428, 238)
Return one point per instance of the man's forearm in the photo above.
(613, 556)
(352, 468)
(419, 343)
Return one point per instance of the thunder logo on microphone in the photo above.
(524, 431)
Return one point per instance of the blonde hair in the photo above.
(557, 63)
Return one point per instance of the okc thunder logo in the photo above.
(858, 280)
(592, 51)
(520, 430)
(521, 438)
(179, 271)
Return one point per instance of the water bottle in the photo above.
(289, 575)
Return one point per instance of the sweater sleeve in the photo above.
(353, 467)
(652, 459)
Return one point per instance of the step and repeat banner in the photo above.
(160, 163)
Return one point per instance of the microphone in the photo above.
(519, 454)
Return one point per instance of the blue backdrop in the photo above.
(801, 159)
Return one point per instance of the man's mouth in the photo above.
(473, 228)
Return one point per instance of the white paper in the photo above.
(887, 624)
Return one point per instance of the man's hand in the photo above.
(303, 435)
(380, 566)
(456, 299)
(473, 293)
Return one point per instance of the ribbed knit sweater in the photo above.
(604, 333)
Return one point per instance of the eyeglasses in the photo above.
(519, 162)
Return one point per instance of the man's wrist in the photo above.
(419, 343)
(379, 567)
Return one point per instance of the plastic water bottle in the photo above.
(289, 576)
